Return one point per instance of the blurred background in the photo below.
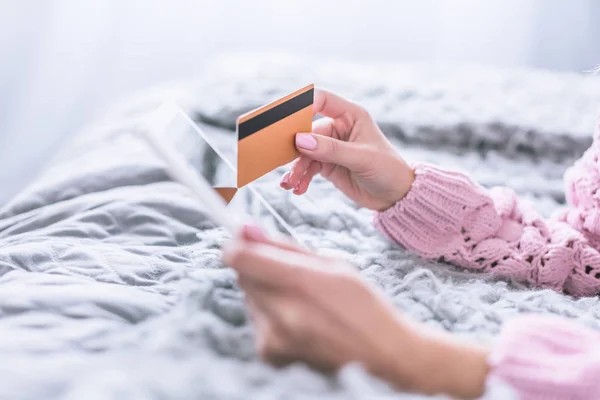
(64, 61)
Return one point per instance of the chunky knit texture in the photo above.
(446, 216)
(543, 358)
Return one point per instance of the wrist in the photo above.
(435, 363)
(402, 179)
(452, 366)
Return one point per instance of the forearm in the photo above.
(540, 357)
(452, 366)
(439, 364)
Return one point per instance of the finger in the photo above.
(324, 127)
(268, 343)
(265, 264)
(259, 297)
(313, 169)
(254, 233)
(272, 340)
(272, 346)
(298, 170)
(334, 106)
(256, 298)
(272, 305)
(292, 178)
(298, 166)
(262, 304)
(285, 178)
(353, 156)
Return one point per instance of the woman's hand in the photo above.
(313, 308)
(348, 148)
(318, 310)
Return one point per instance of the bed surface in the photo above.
(111, 284)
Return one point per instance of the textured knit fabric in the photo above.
(544, 358)
(446, 216)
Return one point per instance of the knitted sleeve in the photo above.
(583, 195)
(543, 357)
(445, 216)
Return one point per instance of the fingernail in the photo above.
(254, 232)
(306, 141)
(285, 178)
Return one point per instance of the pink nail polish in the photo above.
(306, 141)
(285, 178)
(254, 232)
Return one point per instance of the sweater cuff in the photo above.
(430, 218)
(543, 357)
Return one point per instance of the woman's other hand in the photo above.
(348, 148)
(318, 310)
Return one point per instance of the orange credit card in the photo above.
(266, 135)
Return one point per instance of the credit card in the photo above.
(266, 135)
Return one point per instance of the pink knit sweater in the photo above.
(445, 216)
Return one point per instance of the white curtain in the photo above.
(63, 60)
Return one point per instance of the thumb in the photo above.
(253, 233)
(329, 150)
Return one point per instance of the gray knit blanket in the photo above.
(111, 284)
